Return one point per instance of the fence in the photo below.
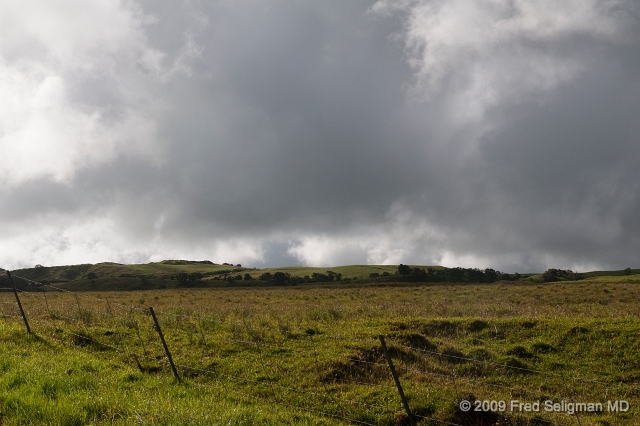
(362, 379)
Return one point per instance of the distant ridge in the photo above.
(179, 273)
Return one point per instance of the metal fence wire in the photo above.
(145, 338)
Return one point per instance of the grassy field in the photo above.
(311, 354)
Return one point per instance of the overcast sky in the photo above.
(475, 133)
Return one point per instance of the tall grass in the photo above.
(310, 355)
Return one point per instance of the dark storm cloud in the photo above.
(300, 119)
(348, 133)
(566, 172)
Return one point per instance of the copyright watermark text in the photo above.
(549, 406)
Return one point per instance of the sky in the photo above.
(497, 134)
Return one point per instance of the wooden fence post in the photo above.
(15, 292)
(78, 303)
(46, 302)
(397, 380)
(166, 348)
(109, 310)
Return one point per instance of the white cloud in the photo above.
(263, 137)
(49, 127)
(326, 250)
(403, 237)
(369, 246)
(490, 52)
(43, 134)
(452, 260)
(56, 239)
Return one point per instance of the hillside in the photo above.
(109, 276)
(185, 273)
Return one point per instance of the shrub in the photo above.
(404, 270)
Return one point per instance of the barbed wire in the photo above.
(91, 340)
(80, 309)
(355, 382)
(269, 383)
(447, 376)
(352, 359)
(258, 343)
(437, 420)
(530, 370)
(370, 339)
(80, 294)
(362, 338)
(509, 388)
(255, 343)
(123, 351)
(327, 336)
(288, 405)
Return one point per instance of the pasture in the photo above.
(311, 354)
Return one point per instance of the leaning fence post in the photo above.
(15, 291)
(78, 303)
(166, 348)
(46, 302)
(109, 310)
(397, 380)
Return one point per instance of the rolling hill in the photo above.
(108, 276)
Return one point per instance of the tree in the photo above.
(319, 278)
(404, 270)
(296, 280)
(550, 275)
(280, 277)
(185, 279)
(334, 276)
(247, 277)
(490, 275)
(418, 274)
(266, 276)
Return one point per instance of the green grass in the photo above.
(286, 355)
(618, 273)
(44, 382)
(635, 279)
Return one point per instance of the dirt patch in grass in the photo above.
(367, 364)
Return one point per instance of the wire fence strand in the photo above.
(263, 343)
